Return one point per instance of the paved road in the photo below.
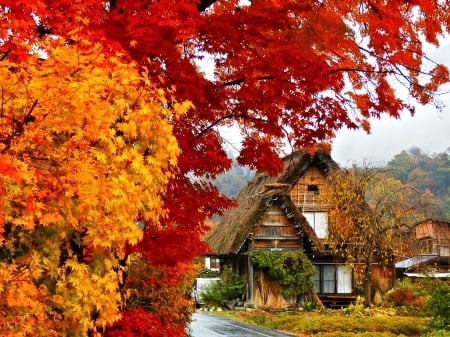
(205, 324)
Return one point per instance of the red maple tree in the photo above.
(284, 71)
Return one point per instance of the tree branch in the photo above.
(18, 127)
(229, 116)
(204, 4)
(5, 55)
(241, 80)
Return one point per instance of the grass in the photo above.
(339, 323)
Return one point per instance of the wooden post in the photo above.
(250, 281)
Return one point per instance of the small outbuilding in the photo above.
(432, 251)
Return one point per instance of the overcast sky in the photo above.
(429, 130)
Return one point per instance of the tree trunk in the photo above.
(368, 281)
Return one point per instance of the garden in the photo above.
(413, 308)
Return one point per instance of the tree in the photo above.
(293, 71)
(369, 218)
(86, 148)
(401, 165)
(338, 56)
(429, 175)
(157, 304)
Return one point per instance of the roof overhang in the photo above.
(415, 261)
(423, 275)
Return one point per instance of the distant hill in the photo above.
(428, 174)
(231, 182)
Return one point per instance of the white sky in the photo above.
(429, 129)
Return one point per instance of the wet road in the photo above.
(205, 324)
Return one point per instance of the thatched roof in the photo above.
(232, 232)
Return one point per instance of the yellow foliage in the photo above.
(86, 145)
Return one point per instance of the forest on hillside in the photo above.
(426, 174)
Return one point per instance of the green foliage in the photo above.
(438, 304)
(412, 285)
(208, 273)
(437, 333)
(214, 295)
(313, 306)
(358, 308)
(292, 270)
(230, 287)
(332, 323)
(428, 174)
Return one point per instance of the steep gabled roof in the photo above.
(254, 199)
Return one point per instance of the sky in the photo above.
(428, 130)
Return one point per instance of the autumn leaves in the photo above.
(86, 149)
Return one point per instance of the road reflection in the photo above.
(205, 324)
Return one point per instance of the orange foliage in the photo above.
(86, 148)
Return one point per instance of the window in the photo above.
(319, 222)
(212, 263)
(333, 279)
(313, 188)
(426, 246)
(215, 263)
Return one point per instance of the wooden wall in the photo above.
(434, 237)
(275, 231)
(306, 192)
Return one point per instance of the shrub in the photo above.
(292, 270)
(408, 295)
(438, 304)
(230, 287)
(332, 323)
(437, 333)
(401, 296)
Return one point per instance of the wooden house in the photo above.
(432, 251)
(285, 213)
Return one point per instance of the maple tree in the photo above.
(86, 148)
(284, 71)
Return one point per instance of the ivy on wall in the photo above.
(292, 270)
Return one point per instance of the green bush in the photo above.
(292, 270)
(438, 304)
(437, 333)
(230, 287)
(208, 273)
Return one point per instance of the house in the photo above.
(432, 251)
(285, 213)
